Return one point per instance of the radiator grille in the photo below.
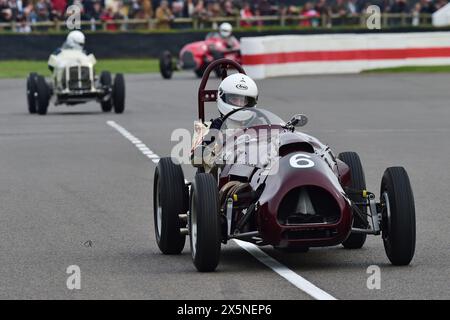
(79, 78)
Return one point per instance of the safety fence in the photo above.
(290, 55)
(387, 20)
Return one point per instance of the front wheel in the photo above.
(31, 92)
(166, 65)
(398, 222)
(106, 83)
(43, 95)
(118, 93)
(216, 56)
(200, 71)
(204, 223)
(169, 201)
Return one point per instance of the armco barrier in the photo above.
(273, 56)
(38, 46)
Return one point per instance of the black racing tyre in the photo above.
(31, 92)
(204, 223)
(43, 95)
(118, 93)
(215, 172)
(166, 65)
(200, 71)
(351, 159)
(106, 82)
(218, 72)
(216, 56)
(169, 201)
(398, 216)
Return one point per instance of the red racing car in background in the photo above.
(198, 55)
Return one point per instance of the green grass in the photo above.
(21, 68)
(418, 69)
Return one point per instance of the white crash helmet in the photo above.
(237, 91)
(75, 40)
(225, 30)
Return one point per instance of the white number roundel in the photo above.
(302, 161)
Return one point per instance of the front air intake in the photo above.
(79, 78)
(308, 204)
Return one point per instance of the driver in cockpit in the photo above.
(75, 41)
(236, 92)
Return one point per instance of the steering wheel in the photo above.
(225, 117)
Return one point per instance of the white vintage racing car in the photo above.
(73, 81)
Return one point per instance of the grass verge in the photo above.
(418, 69)
(21, 68)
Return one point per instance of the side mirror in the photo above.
(299, 120)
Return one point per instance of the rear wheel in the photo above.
(398, 216)
(31, 92)
(169, 201)
(200, 71)
(351, 159)
(218, 72)
(43, 95)
(106, 82)
(166, 65)
(118, 94)
(204, 223)
(216, 56)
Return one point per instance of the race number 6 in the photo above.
(301, 161)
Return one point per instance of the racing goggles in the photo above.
(238, 100)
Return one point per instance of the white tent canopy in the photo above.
(441, 17)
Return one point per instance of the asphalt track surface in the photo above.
(74, 191)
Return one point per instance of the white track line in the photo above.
(137, 143)
(254, 250)
(285, 272)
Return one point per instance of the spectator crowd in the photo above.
(26, 12)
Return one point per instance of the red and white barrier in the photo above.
(273, 56)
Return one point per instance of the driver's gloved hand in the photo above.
(216, 123)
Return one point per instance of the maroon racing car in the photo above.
(198, 55)
(294, 195)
